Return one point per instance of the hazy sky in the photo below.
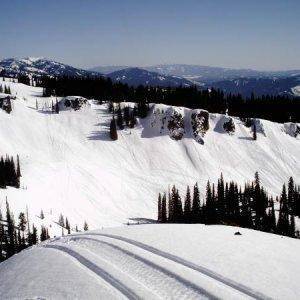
(257, 34)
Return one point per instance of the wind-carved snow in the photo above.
(69, 164)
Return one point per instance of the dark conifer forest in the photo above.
(230, 204)
(273, 108)
(10, 172)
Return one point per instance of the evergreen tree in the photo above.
(291, 196)
(44, 234)
(254, 131)
(120, 119)
(187, 206)
(22, 221)
(56, 107)
(85, 226)
(68, 226)
(164, 209)
(159, 208)
(196, 205)
(11, 244)
(61, 221)
(283, 220)
(113, 130)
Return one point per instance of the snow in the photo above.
(70, 165)
(153, 261)
(296, 90)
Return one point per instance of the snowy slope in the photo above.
(156, 262)
(70, 165)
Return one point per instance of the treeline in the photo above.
(10, 172)
(227, 203)
(65, 224)
(5, 89)
(274, 108)
(16, 236)
(125, 116)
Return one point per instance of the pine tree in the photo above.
(22, 221)
(196, 205)
(68, 226)
(42, 216)
(164, 209)
(187, 206)
(18, 167)
(61, 221)
(113, 130)
(85, 226)
(11, 245)
(283, 219)
(292, 226)
(254, 131)
(159, 208)
(120, 119)
(291, 196)
(44, 234)
(56, 107)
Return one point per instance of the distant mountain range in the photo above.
(243, 81)
(137, 76)
(40, 66)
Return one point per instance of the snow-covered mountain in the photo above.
(260, 86)
(209, 74)
(159, 261)
(40, 66)
(137, 76)
(70, 166)
(108, 69)
(242, 81)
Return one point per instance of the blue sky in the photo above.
(232, 33)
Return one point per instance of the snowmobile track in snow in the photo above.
(235, 285)
(97, 270)
(152, 265)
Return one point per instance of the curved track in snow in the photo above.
(203, 270)
(127, 292)
(177, 285)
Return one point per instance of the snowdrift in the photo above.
(156, 262)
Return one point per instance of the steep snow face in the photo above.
(159, 261)
(69, 164)
(40, 66)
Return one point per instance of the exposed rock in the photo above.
(200, 125)
(229, 126)
(292, 129)
(176, 126)
(74, 102)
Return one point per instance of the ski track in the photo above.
(237, 286)
(127, 292)
(187, 284)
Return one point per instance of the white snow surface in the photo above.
(156, 261)
(69, 164)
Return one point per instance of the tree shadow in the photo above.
(139, 221)
(100, 136)
(247, 138)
